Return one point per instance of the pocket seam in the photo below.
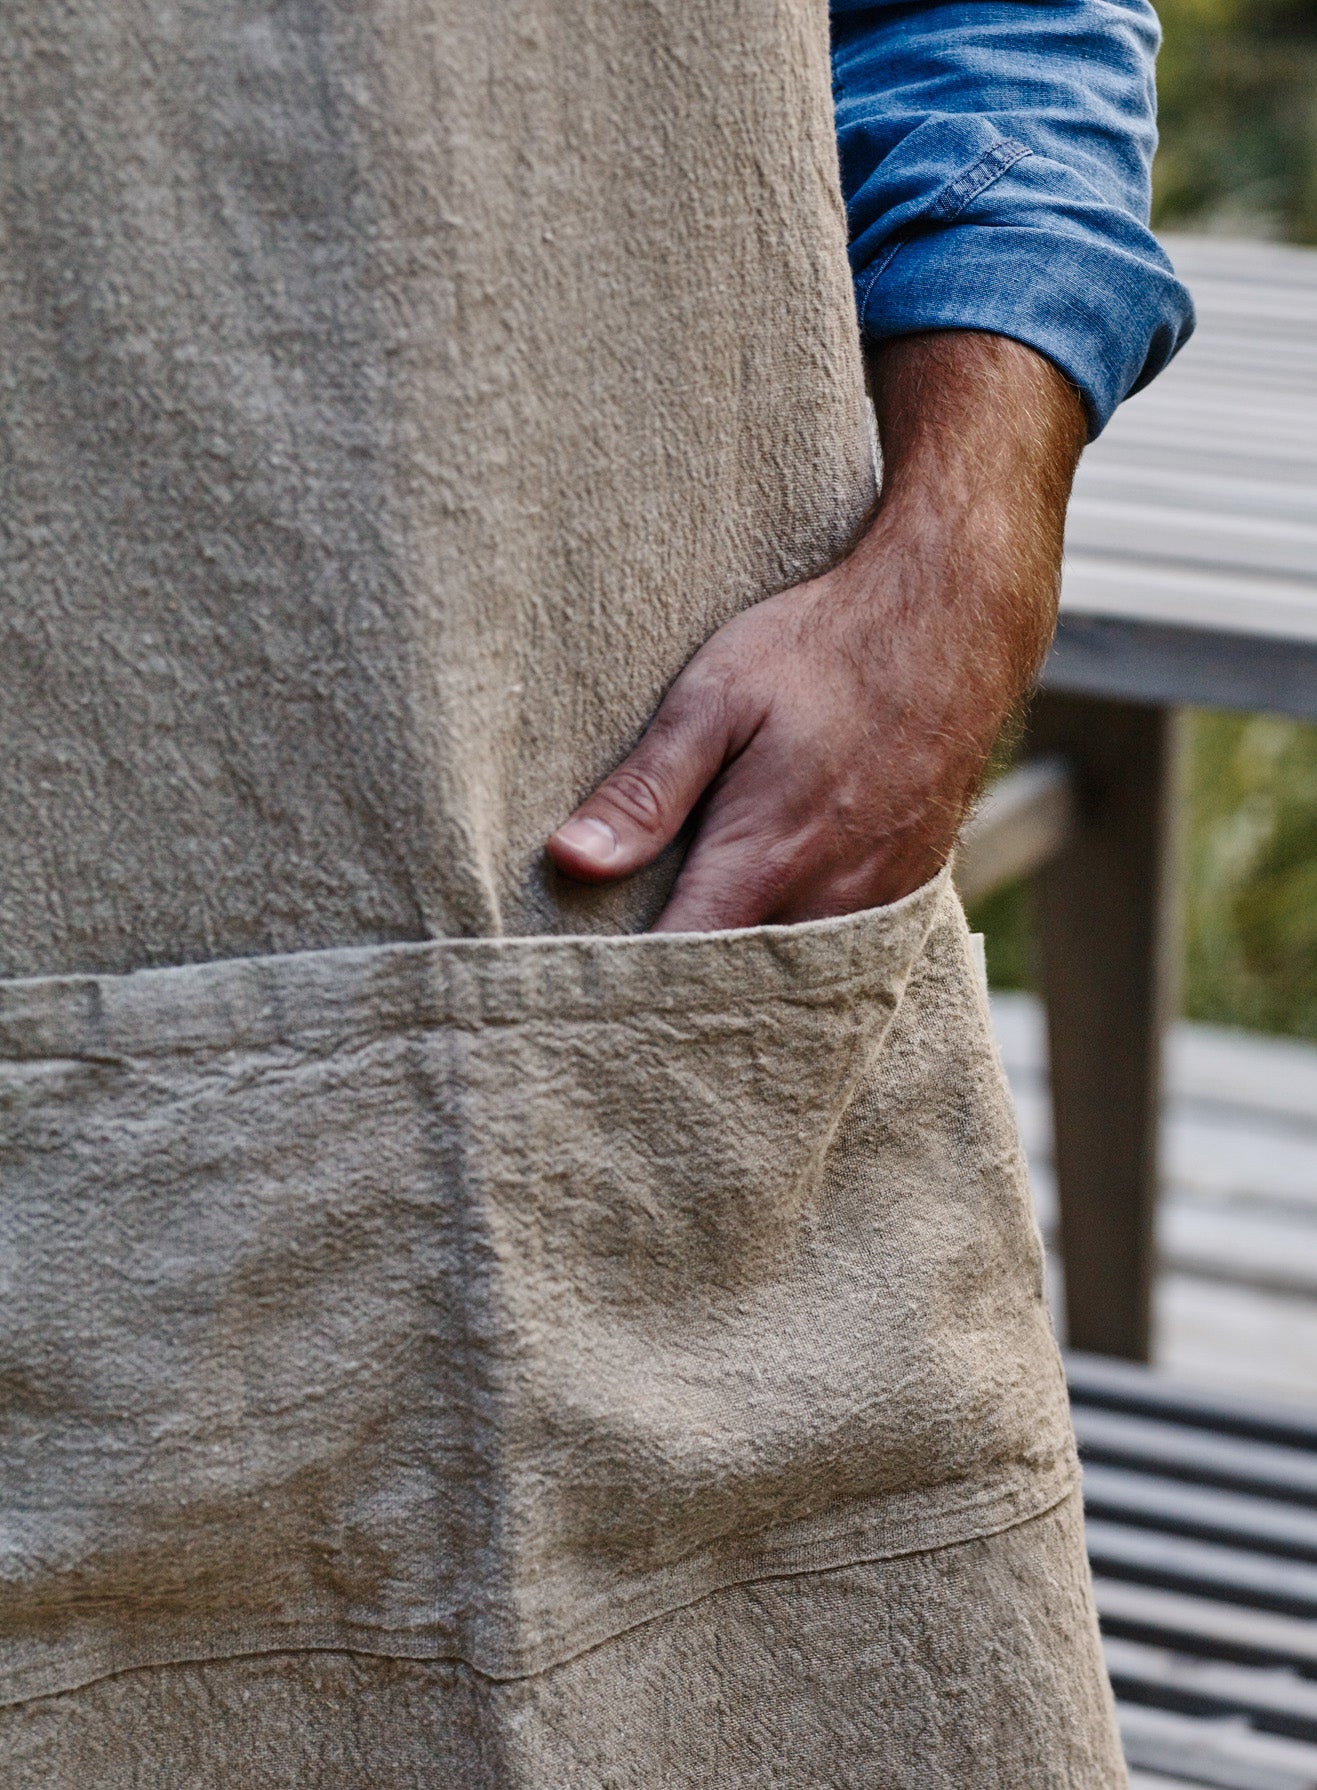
(470, 984)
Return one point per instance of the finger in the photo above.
(728, 882)
(641, 806)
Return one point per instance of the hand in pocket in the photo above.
(829, 739)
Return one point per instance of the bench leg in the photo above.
(1105, 917)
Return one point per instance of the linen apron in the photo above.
(449, 1336)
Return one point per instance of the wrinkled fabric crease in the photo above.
(448, 1334)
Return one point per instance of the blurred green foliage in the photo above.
(1003, 919)
(1237, 83)
(1250, 873)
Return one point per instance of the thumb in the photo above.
(640, 807)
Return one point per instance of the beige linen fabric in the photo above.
(448, 1336)
(974, 1665)
(489, 1300)
(483, 1298)
(394, 395)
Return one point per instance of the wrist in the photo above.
(954, 622)
(980, 439)
(971, 419)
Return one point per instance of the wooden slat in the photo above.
(1207, 1513)
(1201, 400)
(1205, 1625)
(1115, 480)
(1215, 1074)
(1153, 1780)
(1225, 1756)
(1227, 600)
(1264, 1169)
(1238, 1072)
(1194, 524)
(1267, 1252)
(1098, 1382)
(1233, 355)
(1273, 1701)
(1238, 1337)
(1228, 1175)
(1232, 424)
(1164, 425)
(1238, 1205)
(1111, 655)
(1232, 1463)
(1231, 1574)
(1201, 1517)
(1275, 1253)
(1170, 450)
(1158, 534)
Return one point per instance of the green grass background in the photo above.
(1238, 156)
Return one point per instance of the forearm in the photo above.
(980, 439)
(970, 422)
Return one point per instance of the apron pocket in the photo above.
(484, 1297)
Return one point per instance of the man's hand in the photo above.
(830, 738)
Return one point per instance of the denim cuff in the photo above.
(1102, 314)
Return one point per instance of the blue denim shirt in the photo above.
(996, 160)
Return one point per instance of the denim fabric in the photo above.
(996, 161)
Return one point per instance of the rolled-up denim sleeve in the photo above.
(996, 161)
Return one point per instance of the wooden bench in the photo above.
(1191, 579)
(1201, 1514)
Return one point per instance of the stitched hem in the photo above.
(856, 1548)
(309, 997)
(324, 1638)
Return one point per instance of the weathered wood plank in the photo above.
(1100, 1384)
(1196, 598)
(1104, 912)
(1275, 1702)
(1204, 1625)
(1156, 663)
(1158, 533)
(1205, 1513)
(1225, 1756)
(1192, 550)
(1196, 493)
(1237, 1338)
(1287, 1586)
(1239, 1199)
(1212, 1071)
(1230, 1463)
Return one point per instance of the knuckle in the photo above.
(636, 795)
(699, 700)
